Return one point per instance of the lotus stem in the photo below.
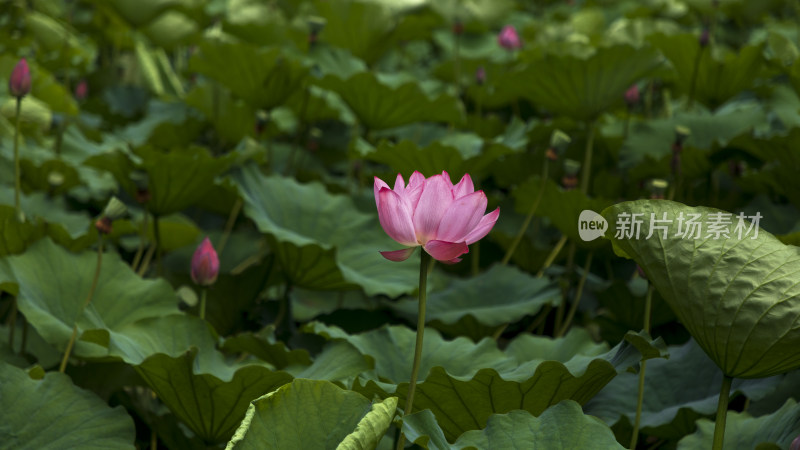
(695, 71)
(578, 294)
(529, 217)
(563, 304)
(142, 240)
(648, 302)
(203, 297)
(12, 323)
(17, 184)
(423, 293)
(71, 343)
(722, 412)
(539, 320)
(157, 233)
(587, 157)
(552, 256)
(237, 208)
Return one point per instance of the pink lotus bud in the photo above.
(205, 264)
(508, 38)
(480, 75)
(82, 90)
(632, 96)
(705, 37)
(19, 84)
(458, 27)
(795, 444)
(433, 213)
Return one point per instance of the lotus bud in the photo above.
(115, 209)
(55, 179)
(458, 27)
(480, 75)
(82, 90)
(142, 181)
(103, 225)
(705, 36)
(508, 38)
(205, 264)
(795, 444)
(19, 84)
(315, 26)
(681, 133)
(657, 188)
(632, 96)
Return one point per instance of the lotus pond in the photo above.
(210, 214)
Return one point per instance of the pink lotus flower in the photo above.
(508, 38)
(205, 264)
(444, 219)
(632, 95)
(19, 84)
(82, 90)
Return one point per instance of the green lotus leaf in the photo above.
(165, 124)
(745, 432)
(379, 105)
(721, 75)
(265, 78)
(562, 207)
(738, 279)
(320, 240)
(584, 88)
(212, 407)
(16, 236)
(314, 414)
(364, 28)
(562, 426)
(233, 118)
(60, 45)
(654, 137)
(264, 346)
(464, 383)
(501, 295)
(674, 395)
(51, 285)
(53, 413)
(406, 157)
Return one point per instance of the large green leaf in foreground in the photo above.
(52, 285)
(52, 413)
(737, 297)
(560, 427)
(464, 383)
(314, 414)
(583, 88)
(743, 432)
(321, 240)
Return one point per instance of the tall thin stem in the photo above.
(722, 412)
(157, 233)
(423, 291)
(203, 297)
(234, 214)
(17, 184)
(695, 71)
(88, 300)
(552, 256)
(574, 308)
(648, 302)
(529, 217)
(587, 157)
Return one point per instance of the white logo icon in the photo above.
(591, 225)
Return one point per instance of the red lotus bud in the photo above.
(480, 75)
(19, 84)
(205, 264)
(705, 36)
(82, 90)
(508, 38)
(103, 225)
(632, 96)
